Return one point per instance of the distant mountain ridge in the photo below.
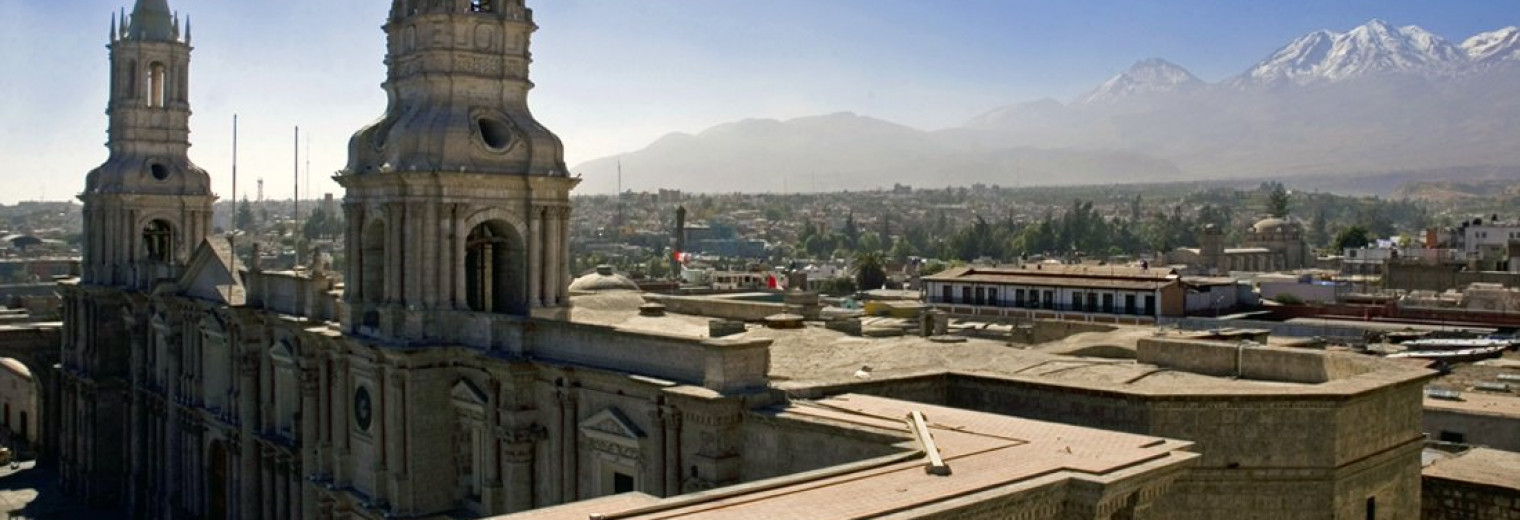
(1376, 98)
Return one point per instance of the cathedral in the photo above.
(446, 374)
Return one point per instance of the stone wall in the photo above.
(1045, 331)
(1444, 499)
(1422, 277)
(1496, 431)
(1222, 359)
(773, 447)
(716, 307)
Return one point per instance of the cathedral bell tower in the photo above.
(457, 200)
(148, 206)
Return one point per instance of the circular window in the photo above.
(495, 133)
(362, 411)
(159, 171)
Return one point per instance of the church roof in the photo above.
(1274, 225)
(602, 280)
(152, 20)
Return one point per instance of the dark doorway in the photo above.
(622, 483)
(216, 481)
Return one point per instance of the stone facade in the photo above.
(1272, 244)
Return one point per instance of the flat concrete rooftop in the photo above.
(1502, 405)
(987, 453)
(817, 356)
(1481, 466)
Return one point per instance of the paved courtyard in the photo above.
(32, 493)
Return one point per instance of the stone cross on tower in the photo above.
(457, 199)
(148, 206)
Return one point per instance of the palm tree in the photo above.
(869, 273)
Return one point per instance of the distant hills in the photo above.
(1372, 100)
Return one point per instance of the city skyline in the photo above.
(613, 78)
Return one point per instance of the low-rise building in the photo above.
(1103, 293)
(1476, 418)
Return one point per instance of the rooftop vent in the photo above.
(1444, 394)
(1489, 386)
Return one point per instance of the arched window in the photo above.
(481, 6)
(158, 241)
(157, 88)
(372, 263)
(494, 270)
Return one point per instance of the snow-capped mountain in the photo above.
(1373, 48)
(1494, 46)
(1374, 99)
(1146, 77)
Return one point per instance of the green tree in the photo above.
(1277, 200)
(1319, 232)
(244, 218)
(869, 271)
(1351, 237)
(315, 225)
(870, 242)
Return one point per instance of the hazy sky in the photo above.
(614, 75)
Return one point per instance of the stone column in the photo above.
(491, 496)
(440, 256)
(396, 427)
(672, 437)
(562, 288)
(353, 247)
(270, 495)
(380, 426)
(570, 417)
(413, 243)
(655, 473)
(518, 454)
(248, 391)
(393, 221)
(535, 247)
(460, 245)
(553, 255)
(310, 440)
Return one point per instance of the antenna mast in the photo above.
(234, 225)
(296, 214)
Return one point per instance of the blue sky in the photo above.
(614, 75)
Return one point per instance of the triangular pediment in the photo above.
(213, 273)
(612, 425)
(282, 353)
(465, 392)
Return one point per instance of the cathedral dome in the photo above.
(1274, 225)
(602, 280)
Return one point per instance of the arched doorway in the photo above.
(216, 481)
(494, 270)
(158, 241)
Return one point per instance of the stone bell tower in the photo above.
(148, 206)
(457, 199)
